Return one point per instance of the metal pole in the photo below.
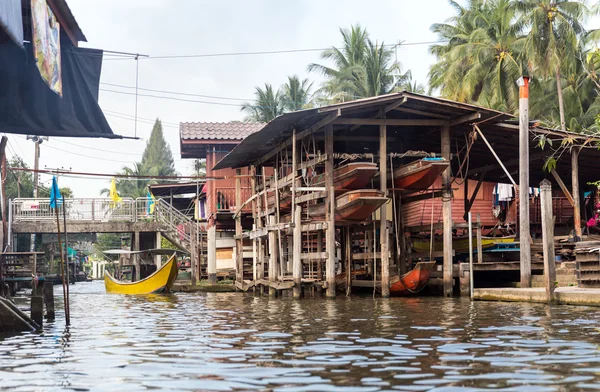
(524, 231)
(68, 303)
(62, 267)
(470, 255)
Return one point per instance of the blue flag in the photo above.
(55, 197)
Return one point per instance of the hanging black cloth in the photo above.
(29, 107)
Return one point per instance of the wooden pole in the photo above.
(297, 253)
(211, 239)
(68, 302)
(548, 238)
(330, 205)
(254, 224)
(260, 270)
(239, 242)
(137, 263)
(348, 257)
(272, 238)
(62, 267)
(403, 245)
(479, 244)
(575, 191)
(471, 274)
(524, 232)
(447, 215)
(383, 237)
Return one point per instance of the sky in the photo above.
(192, 27)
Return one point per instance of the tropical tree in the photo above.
(480, 59)
(295, 93)
(361, 68)
(552, 42)
(130, 185)
(267, 105)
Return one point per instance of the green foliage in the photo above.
(166, 244)
(267, 105)
(106, 241)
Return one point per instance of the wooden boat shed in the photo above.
(290, 251)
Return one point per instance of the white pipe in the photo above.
(471, 255)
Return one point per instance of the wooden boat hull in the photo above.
(354, 175)
(352, 206)
(412, 282)
(419, 175)
(160, 281)
(460, 245)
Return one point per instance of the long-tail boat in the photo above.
(353, 175)
(459, 244)
(160, 281)
(419, 175)
(413, 281)
(357, 205)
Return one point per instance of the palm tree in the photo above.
(133, 187)
(361, 68)
(481, 60)
(295, 93)
(266, 106)
(552, 41)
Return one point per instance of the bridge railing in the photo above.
(77, 209)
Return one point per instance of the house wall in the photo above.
(220, 193)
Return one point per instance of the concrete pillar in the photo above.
(212, 254)
(447, 215)
(158, 242)
(524, 232)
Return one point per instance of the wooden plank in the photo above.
(422, 113)
(316, 226)
(365, 256)
(314, 256)
(391, 122)
(277, 285)
(563, 187)
(447, 215)
(330, 213)
(309, 197)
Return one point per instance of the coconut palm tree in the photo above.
(481, 60)
(361, 68)
(267, 105)
(295, 93)
(553, 39)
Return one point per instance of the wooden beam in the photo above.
(469, 203)
(422, 113)
(575, 187)
(330, 213)
(239, 249)
(465, 118)
(316, 226)
(273, 258)
(297, 253)
(309, 197)
(423, 228)
(315, 256)
(507, 164)
(389, 121)
(383, 230)
(394, 105)
(495, 155)
(563, 187)
(447, 214)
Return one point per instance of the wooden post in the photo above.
(348, 257)
(272, 238)
(157, 258)
(137, 263)
(37, 309)
(49, 300)
(211, 238)
(548, 238)
(383, 232)
(479, 244)
(447, 214)
(239, 242)
(575, 191)
(255, 245)
(297, 254)
(330, 215)
(524, 232)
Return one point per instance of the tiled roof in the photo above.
(218, 130)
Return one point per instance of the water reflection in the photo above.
(230, 341)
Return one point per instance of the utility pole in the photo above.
(37, 140)
(524, 233)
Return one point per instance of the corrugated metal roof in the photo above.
(218, 130)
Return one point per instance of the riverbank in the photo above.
(564, 295)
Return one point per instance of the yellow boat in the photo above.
(460, 245)
(160, 281)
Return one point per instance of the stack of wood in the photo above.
(562, 248)
(587, 255)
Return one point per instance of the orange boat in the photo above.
(354, 175)
(419, 175)
(352, 206)
(413, 281)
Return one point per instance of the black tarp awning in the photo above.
(29, 107)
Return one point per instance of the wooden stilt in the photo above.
(330, 216)
(575, 191)
(49, 300)
(548, 238)
(239, 242)
(403, 257)
(272, 258)
(297, 255)
(479, 244)
(211, 239)
(348, 258)
(447, 214)
(383, 231)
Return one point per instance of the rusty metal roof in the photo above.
(218, 130)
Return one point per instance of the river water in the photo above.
(231, 341)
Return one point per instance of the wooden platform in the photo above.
(564, 295)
